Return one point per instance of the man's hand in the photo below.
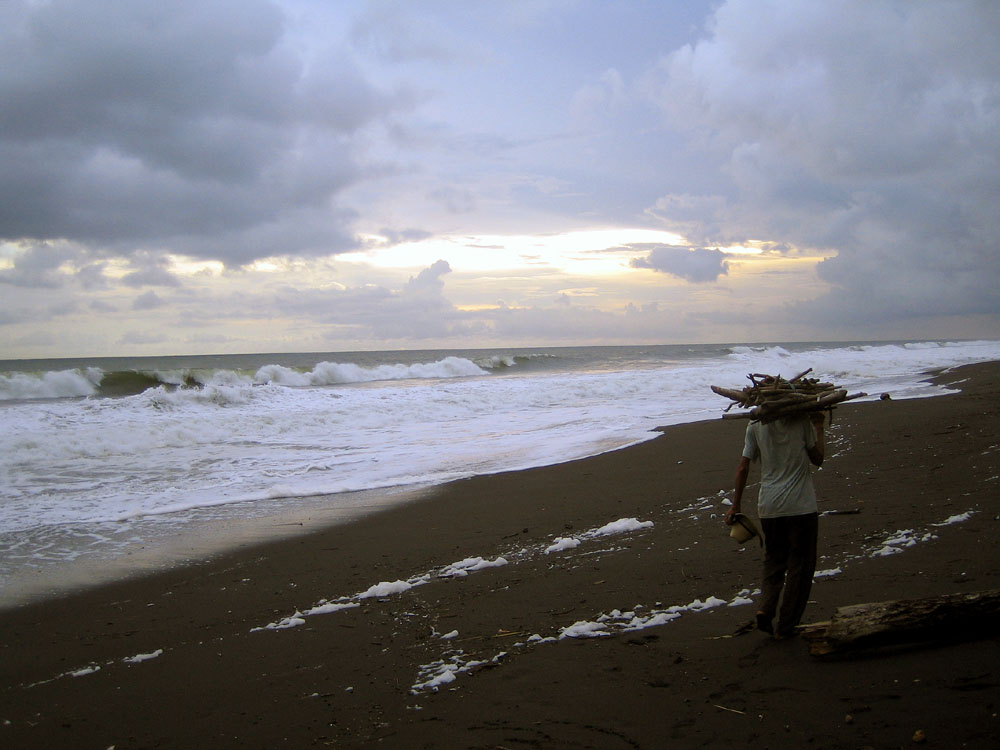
(731, 515)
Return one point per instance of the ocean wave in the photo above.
(89, 381)
(746, 351)
(131, 382)
(55, 384)
(215, 395)
(496, 361)
(504, 361)
(334, 373)
(92, 381)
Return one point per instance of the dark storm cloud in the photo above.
(695, 265)
(193, 124)
(866, 130)
(37, 266)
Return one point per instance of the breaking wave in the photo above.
(333, 373)
(55, 384)
(94, 382)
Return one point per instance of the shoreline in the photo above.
(162, 544)
(348, 678)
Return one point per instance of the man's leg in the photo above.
(802, 532)
(775, 564)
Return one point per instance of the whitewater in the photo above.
(104, 463)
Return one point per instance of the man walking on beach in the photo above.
(786, 506)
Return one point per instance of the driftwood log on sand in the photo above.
(771, 397)
(939, 619)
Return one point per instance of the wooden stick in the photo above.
(949, 618)
(731, 710)
(729, 393)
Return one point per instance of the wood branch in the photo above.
(950, 618)
(772, 397)
(792, 398)
(730, 393)
(801, 375)
(769, 412)
(784, 409)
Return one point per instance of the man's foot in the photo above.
(764, 623)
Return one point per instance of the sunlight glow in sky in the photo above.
(597, 251)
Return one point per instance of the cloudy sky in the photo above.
(200, 176)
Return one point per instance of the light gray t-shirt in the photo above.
(786, 487)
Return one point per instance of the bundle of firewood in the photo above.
(770, 397)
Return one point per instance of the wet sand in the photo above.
(152, 545)
(176, 660)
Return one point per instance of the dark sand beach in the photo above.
(173, 660)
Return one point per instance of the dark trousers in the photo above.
(789, 564)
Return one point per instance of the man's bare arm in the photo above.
(742, 473)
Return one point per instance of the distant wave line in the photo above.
(92, 381)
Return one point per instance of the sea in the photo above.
(113, 466)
